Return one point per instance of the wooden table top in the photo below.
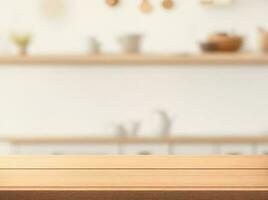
(133, 173)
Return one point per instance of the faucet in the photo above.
(166, 123)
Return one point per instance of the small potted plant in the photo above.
(22, 41)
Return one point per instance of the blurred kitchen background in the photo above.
(133, 77)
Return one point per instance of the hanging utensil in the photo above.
(112, 2)
(146, 6)
(168, 4)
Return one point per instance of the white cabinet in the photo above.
(145, 149)
(194, 149)
(237, 149)
(133, 149)
(262, 149)
(58, 149)
(5, 148)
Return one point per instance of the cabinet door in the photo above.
(194, 149)
(145, 149)
(262, 149)
(58, 149)
(237, 149)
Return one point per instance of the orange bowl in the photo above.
(226, 43)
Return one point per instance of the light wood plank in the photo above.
(133, 162)
(31, 139)
(134, 178)
(125, 173)
(139, 59)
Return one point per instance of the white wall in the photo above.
(48, 100)
(174, 31)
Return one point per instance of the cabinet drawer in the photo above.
(237, 149)
(194, 149)
(145, 149)
(58, 149)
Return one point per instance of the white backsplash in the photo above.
(73, 99)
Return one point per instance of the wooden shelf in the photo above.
(136, 140)
(142, 59)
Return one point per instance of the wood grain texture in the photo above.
(139, 59)
(138, 179)
(131, 173)
(133, 195)
(133, 162)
